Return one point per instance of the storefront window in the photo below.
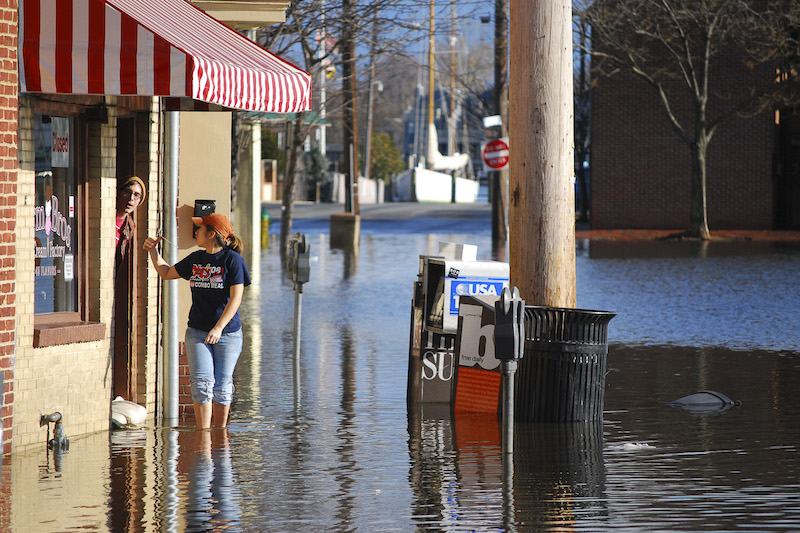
(56, 226)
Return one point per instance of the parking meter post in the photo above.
(509, 508)
(509, 369)
(298, 307)
(509, 341)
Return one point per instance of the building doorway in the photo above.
(787, 171)
(125, 362)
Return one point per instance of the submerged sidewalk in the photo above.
(582, 231)
(479, 215)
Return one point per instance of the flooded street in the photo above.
(340, 451)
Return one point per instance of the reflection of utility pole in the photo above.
(350, 152)
(499, 179)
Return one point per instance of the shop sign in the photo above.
(60, 146)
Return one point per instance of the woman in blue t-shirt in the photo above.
(217, 277)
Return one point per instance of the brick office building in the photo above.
(641, 170)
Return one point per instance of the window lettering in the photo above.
(55, 244)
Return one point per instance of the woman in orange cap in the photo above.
(217, 276)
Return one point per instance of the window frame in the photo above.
(60, 328)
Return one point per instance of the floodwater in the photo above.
(340, 451)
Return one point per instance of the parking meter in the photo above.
(297, 260)
(509, 329)
(298, 270)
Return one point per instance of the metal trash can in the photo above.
(562, 376)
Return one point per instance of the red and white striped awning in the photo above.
(151, 48)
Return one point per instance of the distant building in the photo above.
(641, 170)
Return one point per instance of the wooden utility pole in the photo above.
(373, 51)
(451, 132)
(431, 78)
(541, 191)
(499, 179)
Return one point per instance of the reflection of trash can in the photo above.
(563, 374)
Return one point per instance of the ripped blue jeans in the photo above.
(211, 365)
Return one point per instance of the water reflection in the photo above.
(193, 482)
(456, 468)
(715, 464)
(349, 254)
(431, 470)
(559, 474)
(459, 474)
(346, 466)
(205, 468)
(128, 479)
(739, 295)
(347, 454)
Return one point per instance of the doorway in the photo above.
(787, 171)
(125, 281)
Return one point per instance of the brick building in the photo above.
(641, 170)
(66, 136)
(9, 91)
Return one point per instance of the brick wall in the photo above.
(185, 402)
(641, 170)
(8, 210)
(148, 222)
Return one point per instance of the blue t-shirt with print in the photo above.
(210, 278)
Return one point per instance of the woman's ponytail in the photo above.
(235, 243)
(231, 242)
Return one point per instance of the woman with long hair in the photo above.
(217, 277)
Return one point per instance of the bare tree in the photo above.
(583, 115)
(674, 47)
(312, 36)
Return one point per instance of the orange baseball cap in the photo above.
(220, 223)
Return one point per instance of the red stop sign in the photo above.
(495, 154)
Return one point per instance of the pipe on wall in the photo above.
(171, 370)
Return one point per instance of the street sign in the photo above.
(492, 121)
(495, 154)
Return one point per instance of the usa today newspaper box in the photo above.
(441, 282)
